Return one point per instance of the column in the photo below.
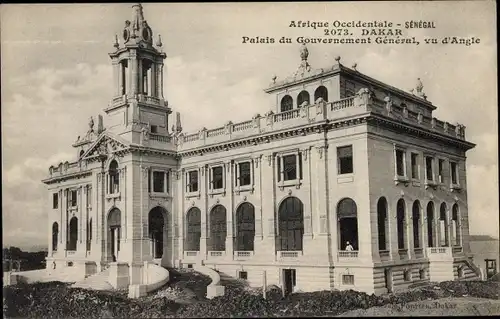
(121, 77)
(409, 228)
(133, 74)
(424, 233)
(160, 80)
(117, 78)
(61, 220)
(50, 222)
(154, 87)
(140, 77)
(202, 172)
(393, 230)
(256, 182)
(230, 211)
(64, 223)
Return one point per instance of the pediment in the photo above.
(106, 144)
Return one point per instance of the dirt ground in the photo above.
(466, 306)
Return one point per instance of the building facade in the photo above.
(348, 183)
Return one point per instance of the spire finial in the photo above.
(158, 43)
(337, 58)
(304, 53)
(116, 44)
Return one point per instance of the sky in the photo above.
(56, 73)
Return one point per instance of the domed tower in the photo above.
(138, 104)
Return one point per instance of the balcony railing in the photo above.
(457, 249)
(403, 254)
(191, 253)
(243, 254)
(216, 253)
(385, 255)
(439, 253)
(289, 254)
(359, 104)
(348, 254)
(288, 115)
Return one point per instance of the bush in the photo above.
(58, 300)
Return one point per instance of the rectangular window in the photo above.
(290, 167)
(167, 182)
(400, 163)
(428, 168)
(414, 166)
(440, 170)
(344, 155)
(348, 279)
(454, 173)
(218, 177)
(244, 173)
(158, 182)
(193, 181)
(55, 200)
(243, 275)
(73, 198)
(154, 129)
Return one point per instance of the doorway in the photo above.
(289, 281)
(388, 279)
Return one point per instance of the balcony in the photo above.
(287, 254)
(343, 254)
(190, 254)
(419, 252)
(439, 253)
(403, 254)
(385, 255)
(243, 255)
(216, 254)
(358, 105)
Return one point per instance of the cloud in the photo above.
(55, 75)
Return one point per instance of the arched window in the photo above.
(156, 221)
(55, 235)
(321, 92)
(443, 226)
(218, 228)
(73, 233)
(347, 215)
(193, 230)
(456, 224)
(286, 103)
(416, 224)
(245, 227)
(114, 234)
(291, 224)
(401, 223)
(430, 225)
(114, 178)
(303, 97)
(382, 223)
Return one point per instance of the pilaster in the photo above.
(202, 172)
(230, 212)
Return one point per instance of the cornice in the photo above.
(420, 131)
(76, 175)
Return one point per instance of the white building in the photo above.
(341, 158)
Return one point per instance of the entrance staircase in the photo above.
(98, 281)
